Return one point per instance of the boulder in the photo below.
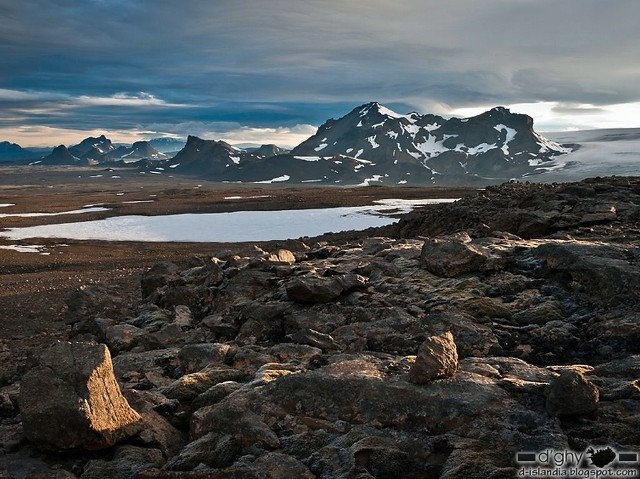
(123, 337)
(571, 394)
(451, 258)
(282, 256)
(213, 449)
(159, 275)
(22, 466)
(89, 301)
(72, 400)
(191, 385)
(437, 358)
(127, 461)
(318, 289)
(315, 339)
(194, 357)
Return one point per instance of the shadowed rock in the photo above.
(572, 394)
(314, 289)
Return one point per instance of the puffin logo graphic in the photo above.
(601, 457)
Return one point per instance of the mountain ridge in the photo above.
(371, 144)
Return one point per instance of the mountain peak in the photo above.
(376, 108)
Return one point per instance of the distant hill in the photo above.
(61, 155)
(12, 152)
(167, 145)
(100, 150)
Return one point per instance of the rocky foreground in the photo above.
(440, 347)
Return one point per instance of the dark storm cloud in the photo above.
(284, 62)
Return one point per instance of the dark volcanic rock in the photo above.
(313, 289)
(571, 394)
(451, 258)
(301, 363)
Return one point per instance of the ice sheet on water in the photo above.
(221, 227)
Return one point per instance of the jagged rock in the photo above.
(158, 276)
(191, 385)
(320, 382)
(214, 449)
(11, 439)
(215, 394)
(182, 316)
(163, 362)
(151, 319)
(597, 272)
(315, 339)
(92, 300)
(8, 400)
(127, 461)
(8, 365)
(261, 321)
(381, 457)
(622, 368)
(541, 313)
(231, 417)
(72, 400)
(156, 431)
(280, 466)
(571, 394)
(315, 289)
(282, 256)
(437, 358)
(451, 258)
(195, 357)
(22, 466)
(123, 337)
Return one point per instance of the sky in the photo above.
(272, 71)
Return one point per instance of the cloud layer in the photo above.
(130, 64)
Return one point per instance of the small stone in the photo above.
(282, 256)
(437, 358)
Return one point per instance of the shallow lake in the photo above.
(225, 227)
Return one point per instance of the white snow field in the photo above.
(601, 153)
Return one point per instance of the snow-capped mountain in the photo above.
(94, 151)
(415, 148)
(210, 158)
(267, 151)
(167, 145)
(370, 145)
(373, 144)
(138, 151)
